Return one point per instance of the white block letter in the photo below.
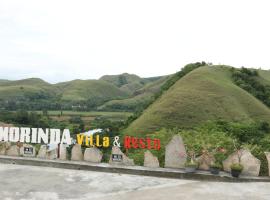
(25, 135)
(43, 136)
(34, 135)
(4, 134)
(14, 134)
(66, 137)
(55, 136)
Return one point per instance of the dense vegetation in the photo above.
(214, 135)
(39, 120)
(74, 121)
(248, 79)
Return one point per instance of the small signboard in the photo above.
(28, 150)
(117, 157)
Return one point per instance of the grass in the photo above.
(77, 90)
(131, 83)
(128, 83)
(207, 93)
(23, 92)
(127, 104)
(95, 90)
(140, 98)
(265, 76)
(29, 81)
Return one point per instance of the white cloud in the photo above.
(60, 40)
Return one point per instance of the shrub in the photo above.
(191, 164)
(216, 165)
(237, 167)
(247, 80)
(219, 138)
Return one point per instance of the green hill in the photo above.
(82, 90)
(129, 83)
(3, 81)
(29, 81)
(265, 76)
(140, 97)
(207, 93)
(26, 88)
(121, 79)
(36, 94)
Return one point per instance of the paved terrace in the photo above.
(134, 170)
(47, 183)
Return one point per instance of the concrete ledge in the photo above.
(134, 170)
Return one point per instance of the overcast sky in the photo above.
(59, 40)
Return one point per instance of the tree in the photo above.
(75, 120)
(22, 117)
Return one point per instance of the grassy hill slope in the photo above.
(121, 79)
(3, 81)
(265, 76)
(25, 88)
(129, 83)
(81, 90)
(139, 99)
(126, 82)
(29, 81)
(207, 93)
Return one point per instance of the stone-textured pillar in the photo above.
(175, 153)
(116, 151)
(76, 153)
(267, 154)
(250, 163)
(150, 160)
(42, 153)
(63, 152)
(3, 147)
(93, 155)
(14, 150)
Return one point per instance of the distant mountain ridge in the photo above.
(35, 93)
